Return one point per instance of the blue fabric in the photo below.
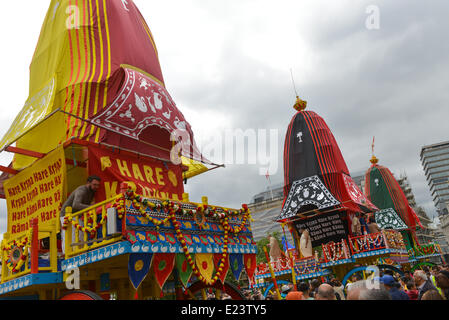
(364, 226)
(137, 276)
(286, 244)
(236, 264)
(398, 294)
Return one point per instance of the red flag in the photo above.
(250, 265)
(217, 259)
(163, 264)
(267, 175)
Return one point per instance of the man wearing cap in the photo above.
(391, 285)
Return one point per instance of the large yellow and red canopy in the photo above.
(86, 53)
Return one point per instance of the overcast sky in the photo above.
(227, 66)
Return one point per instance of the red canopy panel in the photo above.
(143, 115)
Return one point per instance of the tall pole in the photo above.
(269, 184)
(273, 277)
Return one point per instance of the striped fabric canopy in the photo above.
(311, 150)
(85, 53)
(385, 192)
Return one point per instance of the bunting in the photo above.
(236, 263)
(205, 264)
(163, 264)
(217, 260)
(250, 265)
(138, 267)
(184, 269)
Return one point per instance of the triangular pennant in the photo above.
(225, 268)
(250, 265)
(163, 264)
(184, 269)
(236, 263)
(138, 267)
(205, 264)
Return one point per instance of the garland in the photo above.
(172, 208)
(15, 266)
(307, 266)
(140, 204)
(192, 264)
(336, 253)
(425, 250)
(366, 242)
(395, 239)
(89, 227)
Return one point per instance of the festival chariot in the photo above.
(322, 200)
(98, 105)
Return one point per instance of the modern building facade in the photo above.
(265, 208)
(407, 189)
(435, 162)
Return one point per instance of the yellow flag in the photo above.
(205, 264)
(195, 168)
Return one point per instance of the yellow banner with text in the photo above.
(36, 192)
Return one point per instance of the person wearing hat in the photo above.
(285, 289)
(391, 285)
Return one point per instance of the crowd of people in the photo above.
(425, 284)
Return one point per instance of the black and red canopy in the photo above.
(311, 150)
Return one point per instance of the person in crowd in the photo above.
(338, 289)
(269, 297)
(325, 292)
(427, 271)
(314, 287)
(363, 224)
(412, 292)
(80, 199)
(403, 282)
(442, 281)
(354, 278)
(355, 225)
(434, 270)
(372, 225)
(375, 294)
(432, 294)
(361, 291)
(422, 282)
(294, 295)
(285, 289)
(392, 286)
(305, 289)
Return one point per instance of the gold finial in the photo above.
(373, 160)
(300, 105)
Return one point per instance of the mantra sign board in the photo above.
(324, 228)
(36, 192)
